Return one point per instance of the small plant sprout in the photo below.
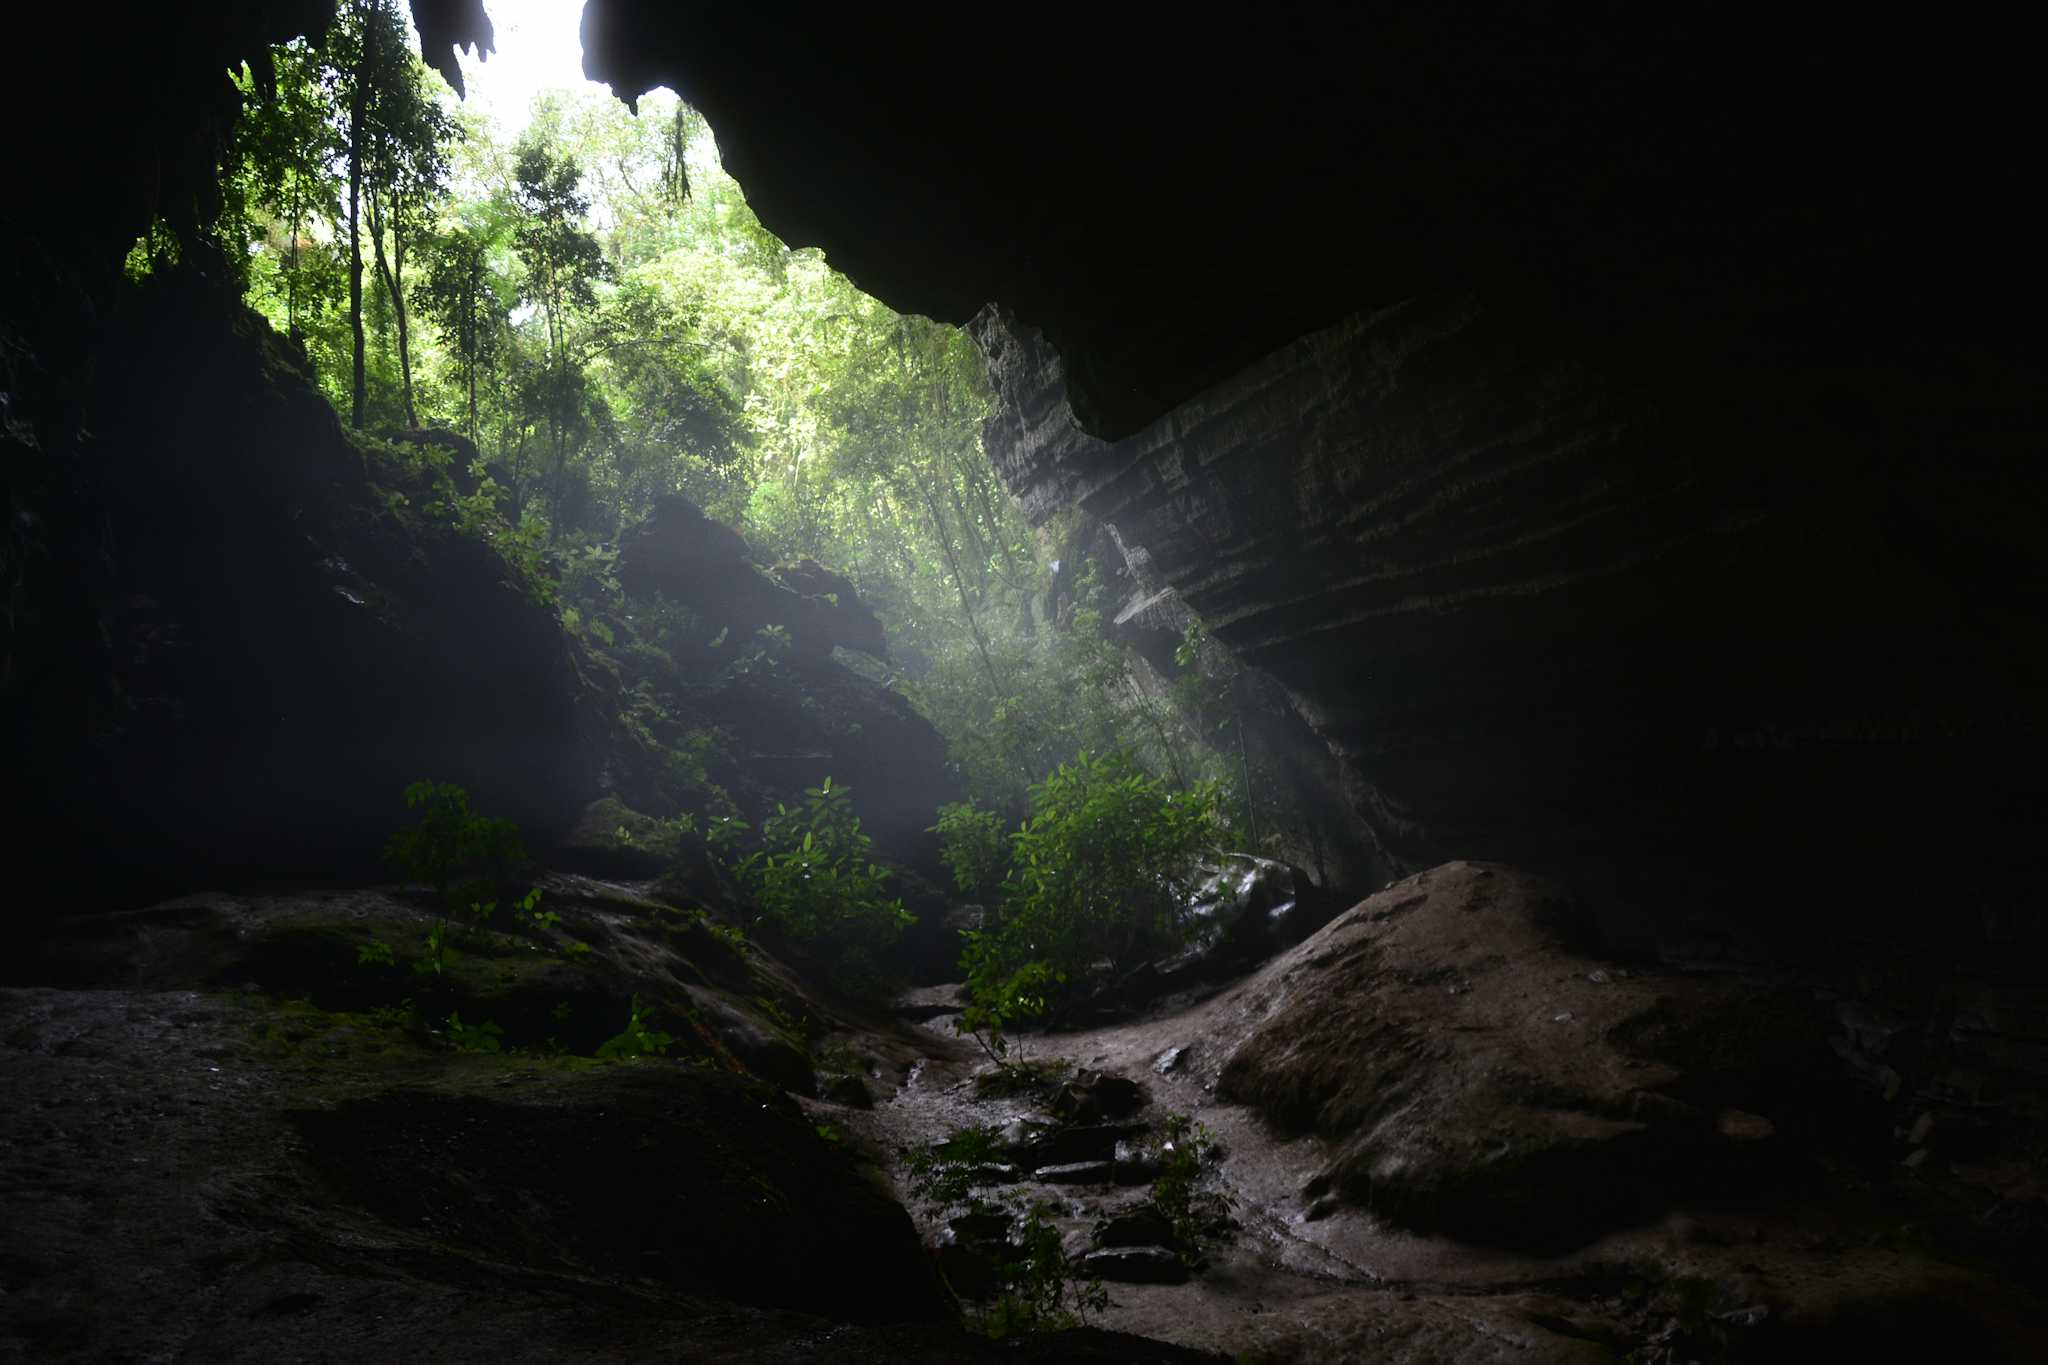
(637, 1039)
(435, 963)
(375, 953)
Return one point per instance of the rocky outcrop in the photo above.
(1526, 614)
(686, 557)
(269, 641)
(1473, 1074)
(725, 665)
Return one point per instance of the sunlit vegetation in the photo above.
(595, 312)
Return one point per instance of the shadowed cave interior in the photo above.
(1473, 584)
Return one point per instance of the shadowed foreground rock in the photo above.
(247, 1178)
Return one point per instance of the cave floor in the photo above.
(1301, 1279)
(180, 1179)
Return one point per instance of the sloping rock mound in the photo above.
(687, 557)
(1476, 1076)
(733, 667)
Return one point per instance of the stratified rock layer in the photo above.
(1534, 624)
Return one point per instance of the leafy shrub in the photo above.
(463, 856)
(972, 843)
(1099, 879)
(813, 879)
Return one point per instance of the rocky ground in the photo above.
(1444, 1136)
(1436, 1131)
(223, 1137)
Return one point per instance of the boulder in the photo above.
(1144, 1225)
(686, 557)
(1036, 1145)
(847, 622)
(1091, 1097)
(1471, 1077)
(850, 1091)
(1076, 1173)
(1135, 1265)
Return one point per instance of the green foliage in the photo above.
(972, 844)
(1042, 1288)
(638, 1038)
(609, 322)
(1002, 995)
(1181, 1150)
(1037, 1078)
(526, 912)
(435, 960)
(463, 856)
(814, 880)
(375, 953)
(1098, 880)
(483, 1037)
(942, 1174)
(734, 939)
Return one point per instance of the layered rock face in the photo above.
(1515, 600)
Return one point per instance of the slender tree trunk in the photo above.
(473, 340)
(979, 487)
(291, 260)
(968, 533)
(359, 102)
(412, 416)
(390, 280)
(960, 585)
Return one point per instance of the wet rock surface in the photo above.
(1136, 1265)
(1474, 1075)
(1696, 1165)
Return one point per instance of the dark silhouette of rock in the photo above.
(1091, 1097)
(269, 649)
(1142, 1226)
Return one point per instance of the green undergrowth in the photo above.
(1015, 1076)
(1035, 1285)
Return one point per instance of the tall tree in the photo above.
(394, 138)
(285, 149)
(460, 295)
(564, 262)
